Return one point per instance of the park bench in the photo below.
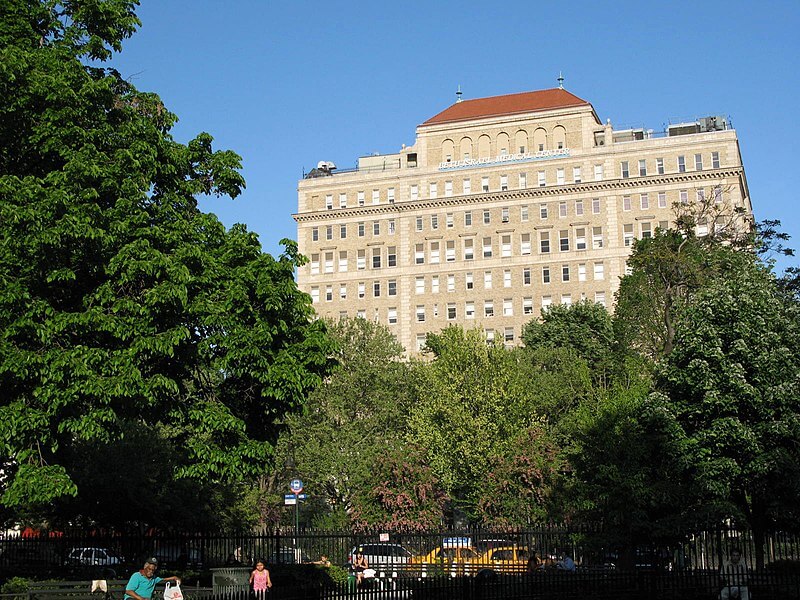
(75, 590)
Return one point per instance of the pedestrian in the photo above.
(734, 577)
(142, 583)
(260, 582)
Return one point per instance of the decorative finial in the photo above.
(560, 81)
(458, 94)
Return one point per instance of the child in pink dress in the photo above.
(259, 579)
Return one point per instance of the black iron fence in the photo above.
(469, 563)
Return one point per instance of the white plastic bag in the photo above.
(173, 592)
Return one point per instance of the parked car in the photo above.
(176, 556)
(454, 559)
(382, 556)
(504, 559)
(481, 546)
(288, 555)
(92, 557)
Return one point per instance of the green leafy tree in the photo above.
(732, 380)
(355, 419)
(120, 302)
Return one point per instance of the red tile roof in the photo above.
(506, 105)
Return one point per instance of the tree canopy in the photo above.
(121, 304)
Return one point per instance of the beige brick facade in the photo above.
(488, 218)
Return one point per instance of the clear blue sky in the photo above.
(286, 84)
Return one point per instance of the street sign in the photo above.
(293, 498)
(296, 486)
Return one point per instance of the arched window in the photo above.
(539, 140)
(465, 148)
(448, 150)
(559, 137)
(503, 143)
(484, 146)
(521, 142)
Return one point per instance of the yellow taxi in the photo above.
(504, 559)
(454, 557)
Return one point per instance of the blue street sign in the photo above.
(293, 498)
(296, 486)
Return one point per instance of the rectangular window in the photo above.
(580, 238)
(508, 307)
(485, 184)
(451, 311)
(563, 240)
(507, 278)
(451, 283)
(315, 264)
(717, 193)
(598, 172)
(419, 254)
(342, 200)
(504, 215)
(434, 222)
(468, 218)
(390, 195)
(467, 186)
(343, 232)
(542, 180)
(523, 181)
(525, 244)
(448, 188)
(579, 208)
(376, 289)
(599, 273)
(546, 301)
(644, 201)
(391, 286)
(600, 298)
(660, 166)
(488, 308)
(715, 160)
(391, 316)
(505, 245)
(596, 206)
(448, 219)
(576, 174)
(627, 235)
(545, 274)
(361, 260)
(362, 289)
(433, 190)
(329, 262)
(526, 276)
(562, 209)
(391, 256)
(626, 203)
(487, 217)
(315, 295)
(487, 247)
(343, 291)
(681, 164)
(435, 284)
(315, 234)
(419, 223)
(527, 305)
(642, 168)
(361, 230)
(391, 226)
(329, 232)
(376, 196)
(420, 313)
(468, 281)
(413, 193)
(503, 183)
(698, 162)
(560, 177)
(329, 201)
(544, 242)
(582, 272)
(469, 310)
(646, 231)
(623, 167)
(376, 228)
(487, 280)
(469, 251)
(662, 200)
(343, 261)
(376, 258)
(566, 299)
(543, 211)
(419, 284)
(434, 255)
(565, 273)
(597, 237)
(508, 332)
(684, 196)
(361, 198)
(523, 213)
(450, 251)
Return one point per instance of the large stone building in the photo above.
(503, 206)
